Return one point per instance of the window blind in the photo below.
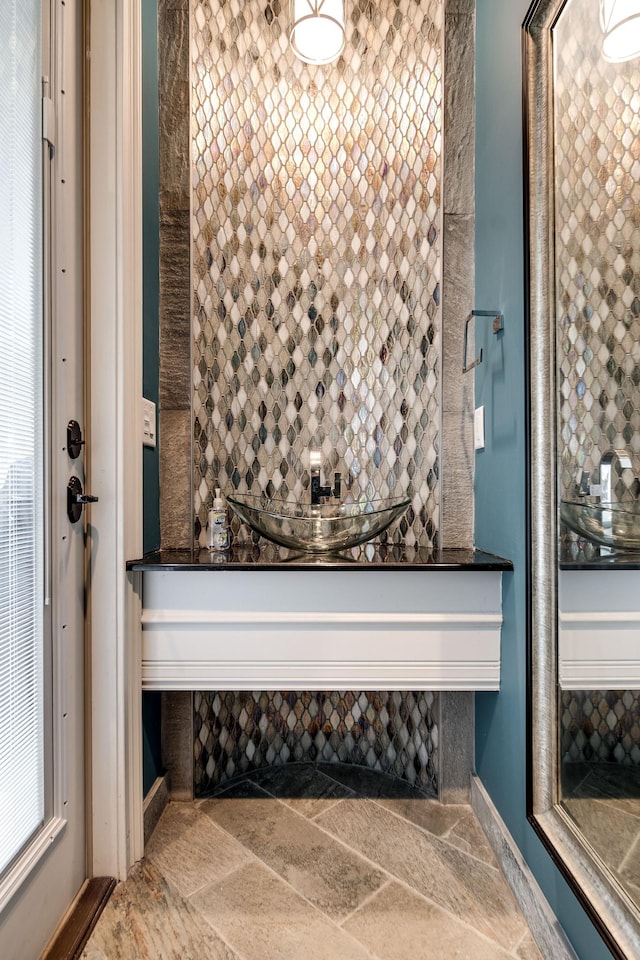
(21, 433)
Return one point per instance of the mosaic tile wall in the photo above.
(395, 733)
(600, 726)
(598, 258)
(316, 256)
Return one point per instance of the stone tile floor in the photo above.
(604, 800)
(321, 862)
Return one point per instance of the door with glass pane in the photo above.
(42, 804)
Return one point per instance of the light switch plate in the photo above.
(478, 428)
(148, 423)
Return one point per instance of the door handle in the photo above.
(76, 499)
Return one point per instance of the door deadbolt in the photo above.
(74, 439)
(76, 499)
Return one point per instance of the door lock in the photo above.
(76, 499)
(74, 439)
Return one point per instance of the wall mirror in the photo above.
(582, 136)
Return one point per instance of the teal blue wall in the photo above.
(500, 467)
(150, 333)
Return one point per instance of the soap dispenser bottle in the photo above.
(218, 526)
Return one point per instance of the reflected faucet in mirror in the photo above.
(603, 489)
(606, 472)
(318, 491)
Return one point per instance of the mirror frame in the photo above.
(604, 900)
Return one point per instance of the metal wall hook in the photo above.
(498, 325)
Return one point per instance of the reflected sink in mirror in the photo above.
(324, 528)
(613, 525)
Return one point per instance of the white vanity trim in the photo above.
(599, 629)
(260, 629)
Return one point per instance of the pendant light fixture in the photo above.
(620, 22)
(317, 30)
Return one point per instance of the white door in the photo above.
(42, 667)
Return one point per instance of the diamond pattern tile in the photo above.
(598, 256)
(316, 256)
(600, 725)
(395, 733)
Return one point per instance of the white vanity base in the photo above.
(321, 630)
(599, 629)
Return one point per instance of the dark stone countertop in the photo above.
(369, 556)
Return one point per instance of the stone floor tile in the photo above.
(461, 884)
(610, 831)
(146, 920)
(431, 815)
(469, 836)
(399, 924)
(190, 850)
(333, 878)
(262, 918)
(527, 949)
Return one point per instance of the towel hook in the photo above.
(498, 325)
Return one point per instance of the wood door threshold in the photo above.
(71, 936)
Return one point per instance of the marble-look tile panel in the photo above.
(146, 920)
(261, 917)
(459, 113)
(456, 754)
(177, 753)
(334, 879)
(397, 924)
(459, 883)
(175, 478)
(191, 851)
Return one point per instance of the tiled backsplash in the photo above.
(598, 259)
(392, 732)
(316, 256)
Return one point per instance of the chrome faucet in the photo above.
(318, 492)
(606, 472)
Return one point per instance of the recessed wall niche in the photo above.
(448, 504)
(316, 224)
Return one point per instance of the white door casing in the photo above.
(114, 365)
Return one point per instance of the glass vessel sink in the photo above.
(614, 525)
(317, 529)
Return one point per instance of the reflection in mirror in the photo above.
(584, 153)
(597, 266)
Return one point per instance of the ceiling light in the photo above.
(318, 31)
(620, 22)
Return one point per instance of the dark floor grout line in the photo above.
(234, 950)
(422, 896)
(443, 839)
(372, 896)
(278, 876)
(634, 844)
